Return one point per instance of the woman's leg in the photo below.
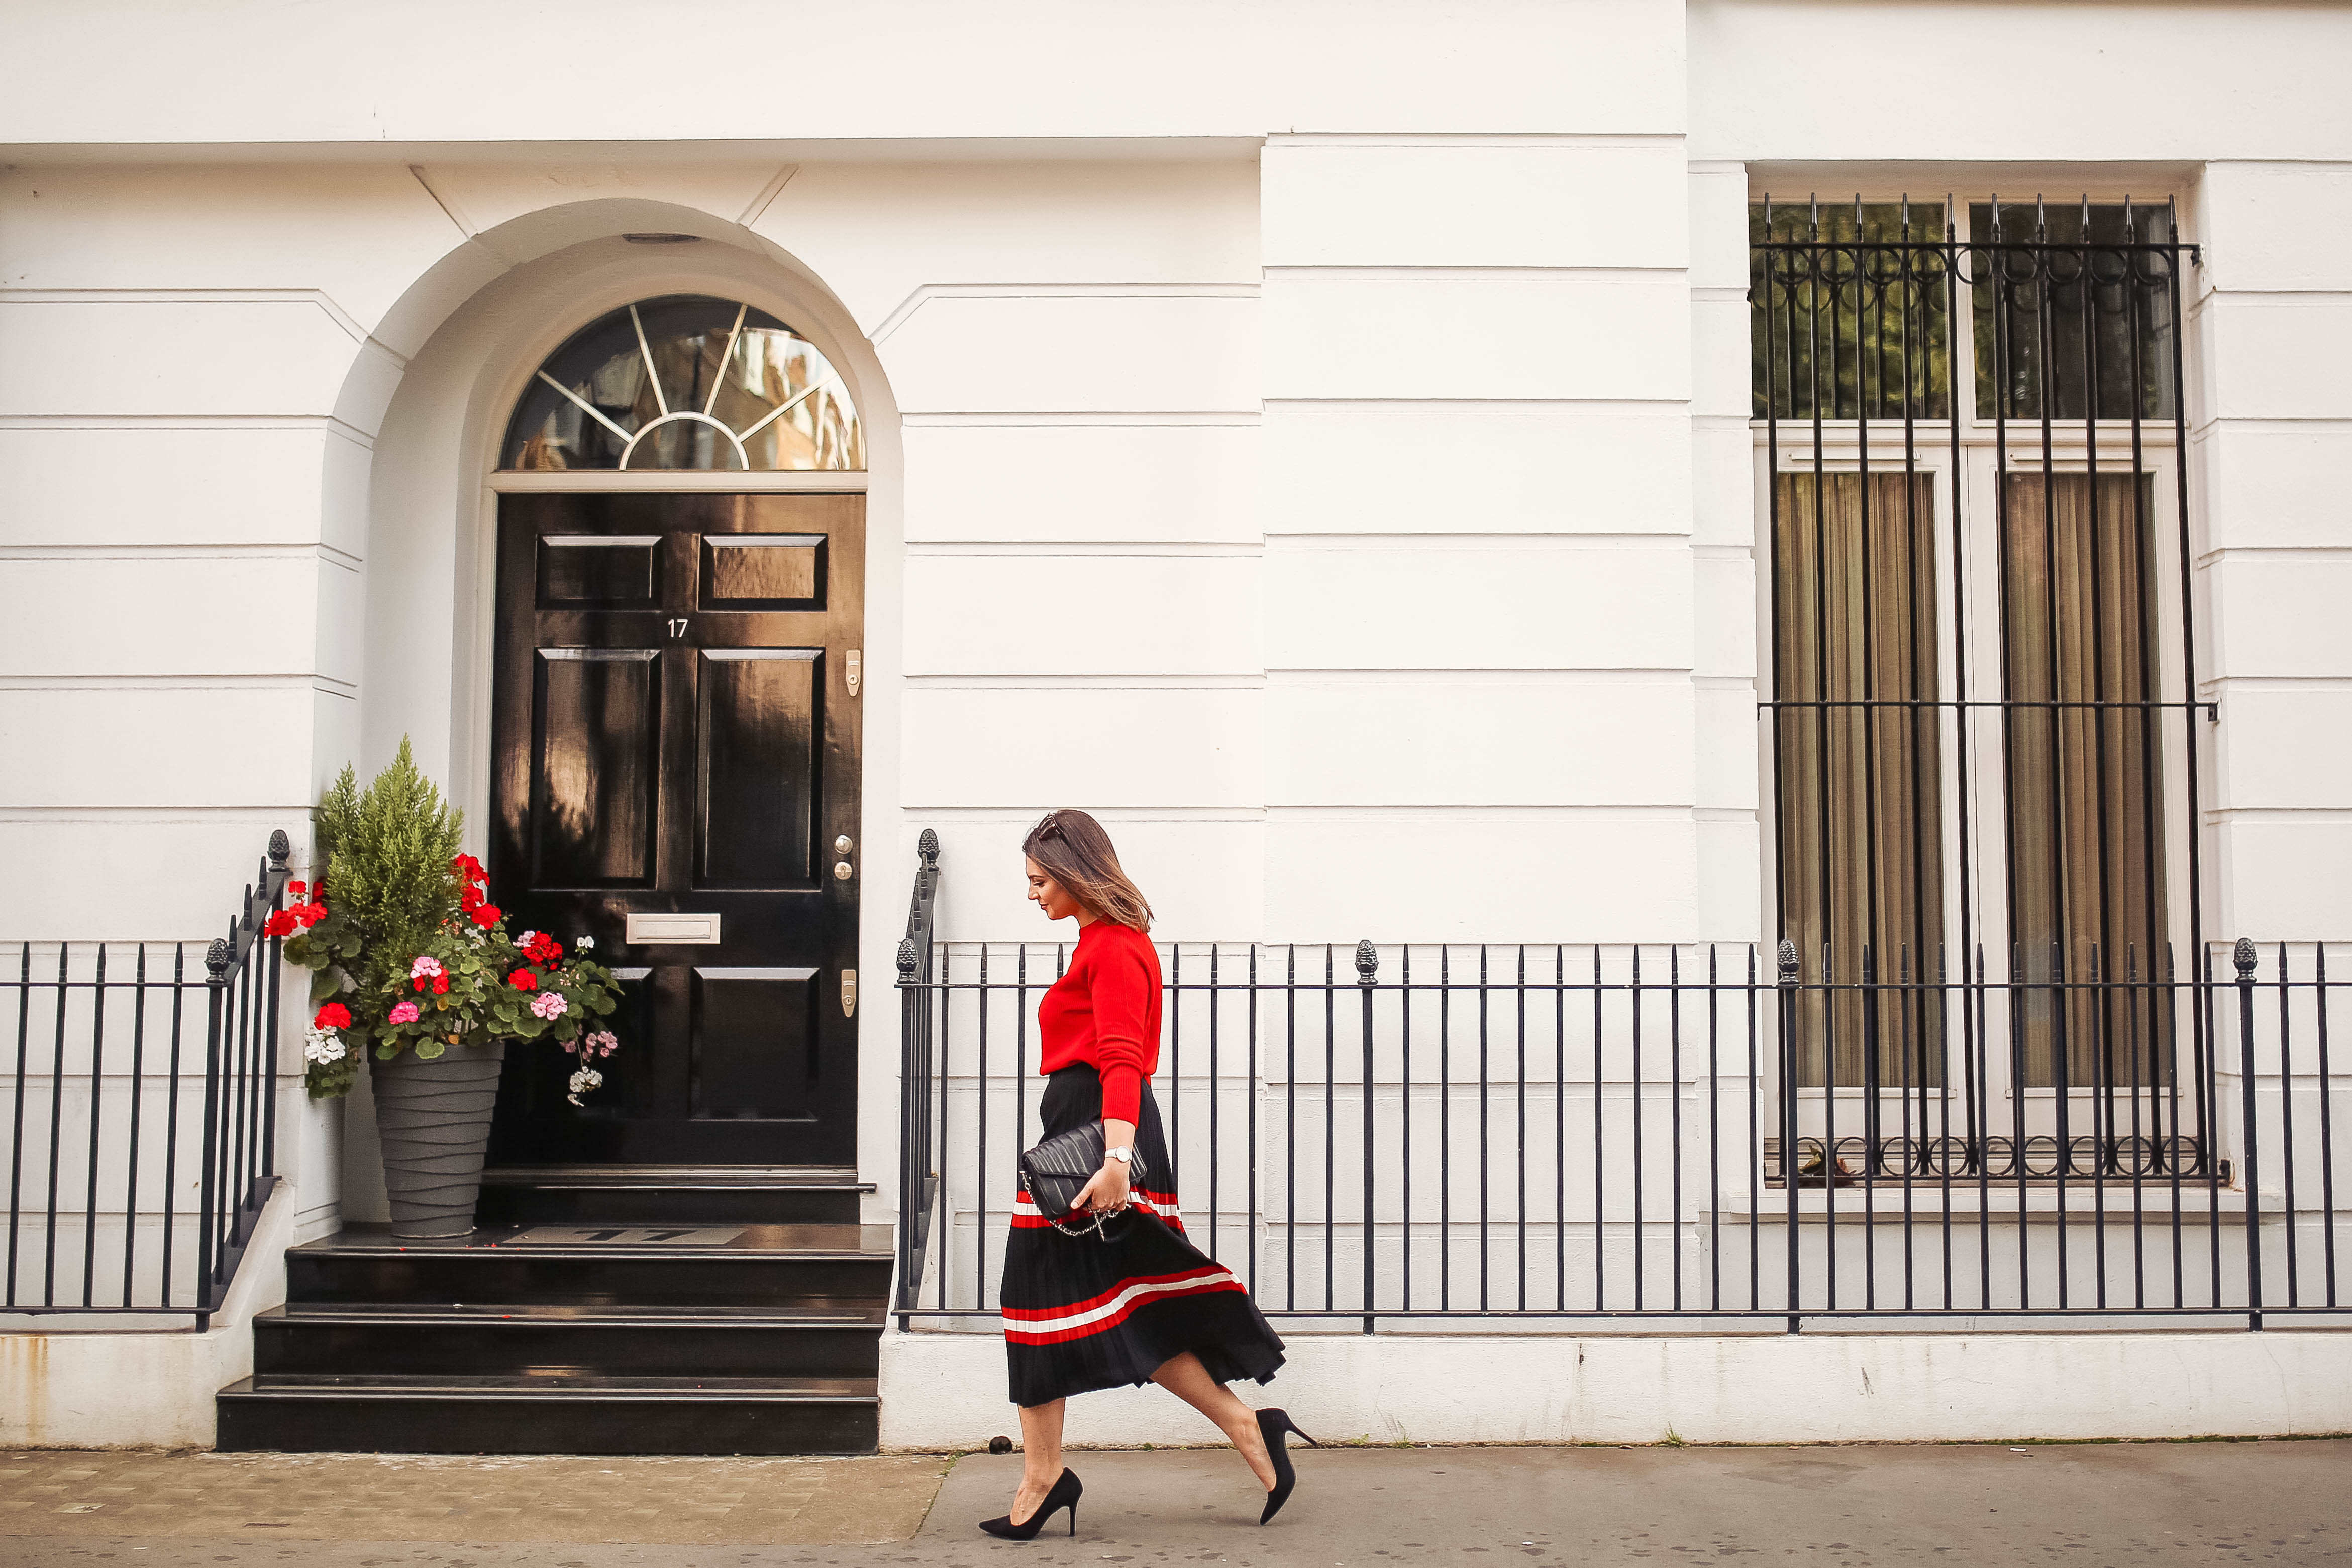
(1041, 1456)
(1186, 1378)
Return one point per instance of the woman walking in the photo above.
(1112, 1292)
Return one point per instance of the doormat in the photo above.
(624, 1235)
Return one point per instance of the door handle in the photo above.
(849, 993)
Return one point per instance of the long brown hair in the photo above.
(1072, 848)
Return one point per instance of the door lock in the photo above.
(841, 846)
(849, 993)
(841, 872)
(853, 671)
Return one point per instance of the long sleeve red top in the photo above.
(1105, 1011)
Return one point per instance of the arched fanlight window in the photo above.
(685, 382)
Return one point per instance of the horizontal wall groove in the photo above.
(317, 299)
(1477, 138)
(331, 684)
(1015, 418)
(1424, 272)
(943, 681)
(1304, 543)
(221, 550)
(1664, 676)
(144, 422)
(1079, 548)
(2301, 816)
(1592, 407)
(925, 294)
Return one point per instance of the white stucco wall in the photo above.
(1337, 414)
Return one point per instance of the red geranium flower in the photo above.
(280, 923)
(334, 1015)
(298, 887)
(488, 916)
(440, 985)
(523, 980)
(467, 868)
(309, 914)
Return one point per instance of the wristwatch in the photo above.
(1124, 1156)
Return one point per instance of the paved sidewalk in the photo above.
(2086, 1506)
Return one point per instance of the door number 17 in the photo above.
(677, 629)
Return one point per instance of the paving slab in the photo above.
(2078, 1505)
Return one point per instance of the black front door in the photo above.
(675, 748)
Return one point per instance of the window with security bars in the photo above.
(1982, 719)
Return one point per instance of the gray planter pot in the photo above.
(434, 1120)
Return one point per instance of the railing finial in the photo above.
(910, 955)
(217, 961)
(281, 847)
(2244, 957)
(928, 846)
(1368, 962)
(1788, 963)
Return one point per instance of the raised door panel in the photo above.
(755, 1043)
(595, 751)
(756, 767)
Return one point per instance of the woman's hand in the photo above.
(1107, 1193)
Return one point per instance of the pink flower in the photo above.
(426, 965)
(405, 1012)
(550, 1005)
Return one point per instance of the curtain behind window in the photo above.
(1859, 786)
(2085, 784)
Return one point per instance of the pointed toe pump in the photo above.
(1271, 1426)
(1066, 1493)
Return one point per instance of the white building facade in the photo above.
(1333, 444)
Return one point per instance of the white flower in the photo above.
(585, 943)
(322, 1045)
(583, 1081)
(528, 938)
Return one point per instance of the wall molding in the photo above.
(928, 292)
(316, 298)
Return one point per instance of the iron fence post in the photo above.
(2245, 957)
(207, 1228)
(273, 883)
(1368, 964)
(1788, 1161)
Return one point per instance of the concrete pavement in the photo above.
(2086, 1505)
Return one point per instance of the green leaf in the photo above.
(325, 984)
(430, 1050)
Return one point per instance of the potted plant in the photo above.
(414, 967)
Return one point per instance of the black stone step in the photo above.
(671, 1195)
(420, 1415)
(567, 1342)
(781, 1269)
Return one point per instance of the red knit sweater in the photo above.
(1105, 1011)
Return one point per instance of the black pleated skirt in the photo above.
(1086, 1311)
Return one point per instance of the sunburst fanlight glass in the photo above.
(685, 382)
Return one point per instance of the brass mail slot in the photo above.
(673, 929)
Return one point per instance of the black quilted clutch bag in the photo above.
(1058, 1168)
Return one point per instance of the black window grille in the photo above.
(1983, 717)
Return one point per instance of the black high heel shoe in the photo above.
(1271, 1426)
(1066, 1494)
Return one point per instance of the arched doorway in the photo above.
(676, 732)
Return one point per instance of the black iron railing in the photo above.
(142, 1119)
(1417, 1132)
(918, 1181)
